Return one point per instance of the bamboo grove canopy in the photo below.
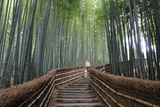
(39, 35)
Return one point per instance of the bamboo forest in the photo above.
(39, 35)
(79, 53)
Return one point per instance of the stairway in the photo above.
(78, 94)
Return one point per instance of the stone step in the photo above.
(76, 96)
(82, 82)
(79, 84)
(79, 105)
(76, 91)
(80, 94)
(76, 88)
(77, 100)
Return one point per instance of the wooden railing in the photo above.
(37, 93)
(118, 91)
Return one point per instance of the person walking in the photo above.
(87, 64)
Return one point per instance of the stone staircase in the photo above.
(78, 94)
